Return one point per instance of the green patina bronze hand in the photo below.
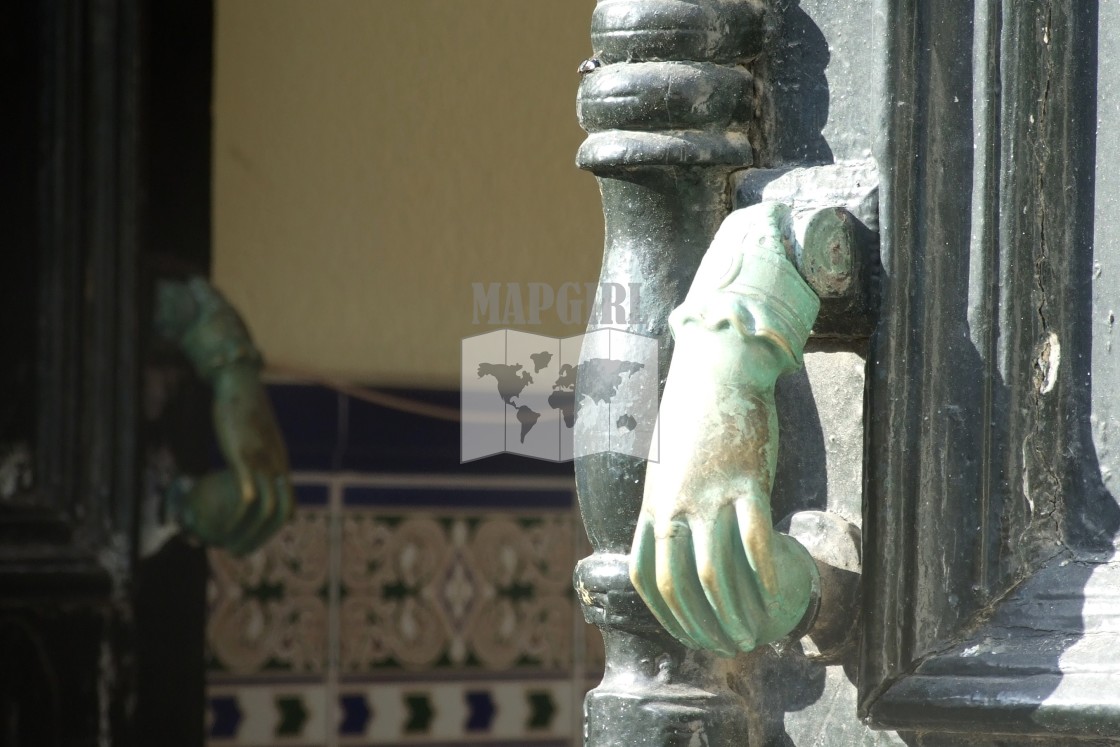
(706, 558)
(239, 508)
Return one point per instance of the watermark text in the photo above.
(520, 304)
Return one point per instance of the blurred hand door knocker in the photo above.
(240, 508)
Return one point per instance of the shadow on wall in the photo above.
(799, 91)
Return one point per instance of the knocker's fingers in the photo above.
(281, 509)
(757, 532)
(643, 574)
(268, 500)
(271, 452)
(244, 504)
(679, 583)
(749, 586)
(246, 536)
(724, 581)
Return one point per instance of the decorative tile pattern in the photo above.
(260, 715)
(468, 591)
(432, 713)
(268, 612)
(429, 608)
(468, 712)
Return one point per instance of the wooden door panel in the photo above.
(989, 532)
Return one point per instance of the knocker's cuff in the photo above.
(772, 301)
(217, 337)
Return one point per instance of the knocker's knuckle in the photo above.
(672, 529)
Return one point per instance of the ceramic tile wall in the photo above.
(416, 607)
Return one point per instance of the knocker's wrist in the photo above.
(207, 328)
(219, 345)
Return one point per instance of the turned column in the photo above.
(666, 104)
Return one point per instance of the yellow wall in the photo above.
(373, 158)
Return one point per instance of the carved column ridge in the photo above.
(724, 31)
(667, 103)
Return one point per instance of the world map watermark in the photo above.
(530, 394)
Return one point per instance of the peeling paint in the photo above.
(1048, 362)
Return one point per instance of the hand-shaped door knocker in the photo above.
(242, 507)
(706, 558)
